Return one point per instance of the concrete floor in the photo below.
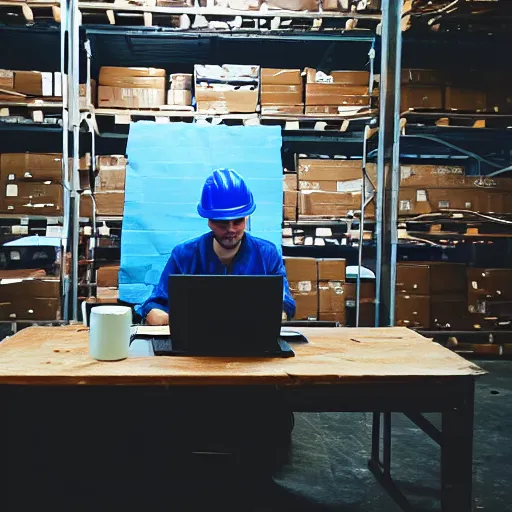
(327, 471)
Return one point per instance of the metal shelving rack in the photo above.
(298, 131)
(33, 135)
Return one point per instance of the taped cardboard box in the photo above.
(281, 94)
(485, 284)
(33, 83)
(294, 5)
(107, 295)
(108, 276)
(422, 77)
(276, 110)
(141, 82)
(108, 73)
(290, 198)
(27, 166)
(421, 96)
(366, 304)
(331, 269)
(337, 94)
(30, 309)
(333, 175)
(32, 198)
(16, 289)
(289, 182)
(457, 98)
(289, 213)
(306, 304)
(431, 278)
(413, 201)
(6, 79)
(331, 297)
(331, 204)
(300, 270)
(351, 78)
(277, 76)
(124, 97)
(412, 311)
(180, 82)
(175, 3)
(430, 175)
(111, 173)
(182, 98)
(211, 100)
(108, 204)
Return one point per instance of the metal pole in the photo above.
(74, 82)
(388, 174)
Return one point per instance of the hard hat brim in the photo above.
(231, 214)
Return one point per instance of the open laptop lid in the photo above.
(212, 314)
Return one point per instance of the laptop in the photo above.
(225, 315)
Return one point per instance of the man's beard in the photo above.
(228, 244)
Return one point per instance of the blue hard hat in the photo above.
(225, 196)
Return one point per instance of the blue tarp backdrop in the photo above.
(167, 166)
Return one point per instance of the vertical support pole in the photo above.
(375, 457)
(457, 453)
(386, 445)
(74, 128)
(388, 175)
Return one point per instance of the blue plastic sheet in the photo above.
(167, 166)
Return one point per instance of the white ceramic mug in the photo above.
(109, 332)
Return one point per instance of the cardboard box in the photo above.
(290, 198)
(331, 5)
(450, 312)
(331, 269)
(181, 81)
(107, 295)
(33, 83)
(431, 278)
(217, 101)
(179, 97)
(306, 305)
(82, 94)
(487, 284)
(336, 110)
(281, 94)
(32, 198)
(337, 316)
(141, 82)
(15, 290)
(30, 309)
(422, 77)
(294, 5)
(31, 166)
(289, 213)
(6, 79)
(337, 94)
(125, 97)
(421, 96)
(290, 182)
(276, 110)
(331, 204)
(413, 311)
(457, 98)
(441, 176)
(108, 73)
(111, 173)
(333, 175)
(366, 304)
(108, 276)
(331, 297)
(109, 204)
(352, 78)
(300, 270)
(276, 76)
(175, 3)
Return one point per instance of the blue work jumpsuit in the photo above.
(251, 421)
(255, 257)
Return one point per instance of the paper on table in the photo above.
(152, 330)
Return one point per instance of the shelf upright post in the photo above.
(74, 128)
(388, 171)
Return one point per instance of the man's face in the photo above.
(228, 233)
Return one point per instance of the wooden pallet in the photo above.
(30, 12)
(457, 119)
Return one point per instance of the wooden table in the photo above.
(381, 370)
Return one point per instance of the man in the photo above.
(255, 421)
(226, 202)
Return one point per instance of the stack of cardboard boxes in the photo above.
(290, 196)
(109, 187)
(281, 91)
(226, 89)
(180, 90)
(29, 299)
(317, 287)
(337, 93)
(14, 85)
(131, 87)
(107, 282)
(331, 188)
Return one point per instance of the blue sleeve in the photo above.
(159, 299)
(279, 269)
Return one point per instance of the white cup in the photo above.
(109, 332)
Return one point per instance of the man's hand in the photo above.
(157, 317)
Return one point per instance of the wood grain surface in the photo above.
(60, 356)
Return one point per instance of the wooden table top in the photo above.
(60, 356)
